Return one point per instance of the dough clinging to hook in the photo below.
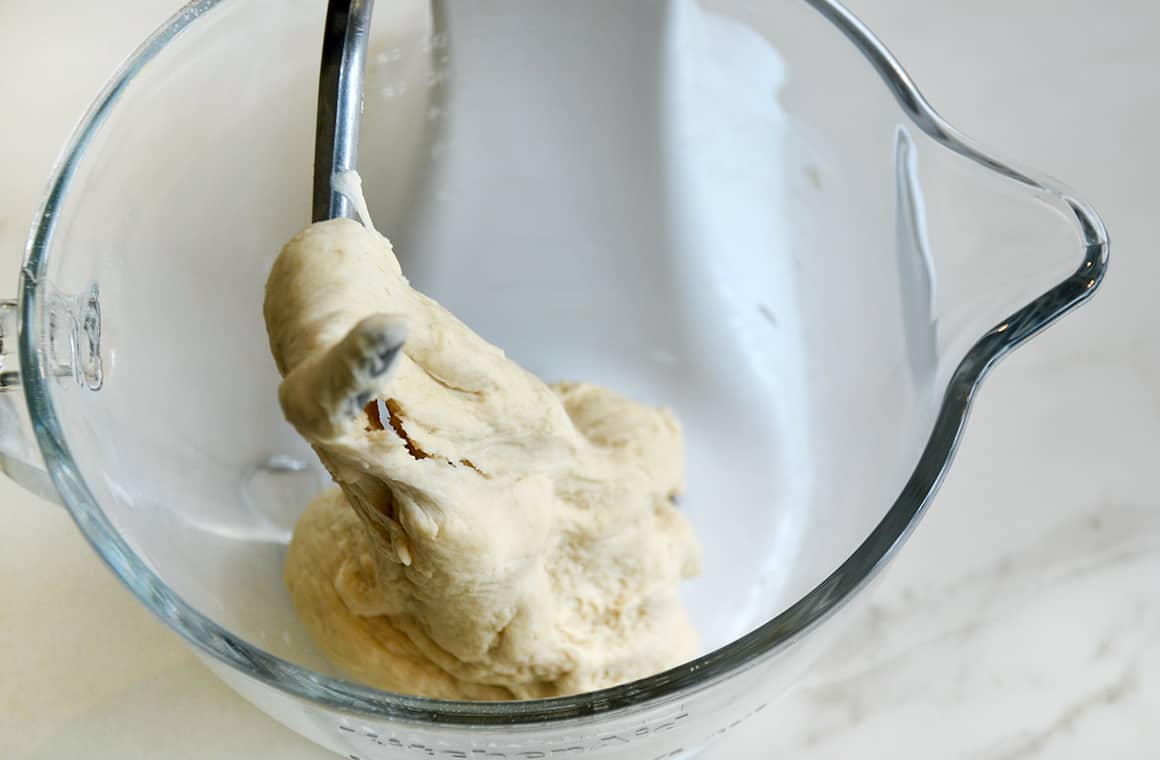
(494, 537)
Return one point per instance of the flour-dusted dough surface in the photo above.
(494, 537)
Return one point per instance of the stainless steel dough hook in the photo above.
(340, 100)
(378, 340)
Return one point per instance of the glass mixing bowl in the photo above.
(741, 209)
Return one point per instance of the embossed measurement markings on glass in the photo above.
(570, 748)
(579, 746)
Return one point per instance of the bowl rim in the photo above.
(765, 641)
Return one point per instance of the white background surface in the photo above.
(1022, 620)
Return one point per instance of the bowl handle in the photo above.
(19, 456)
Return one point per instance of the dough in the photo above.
(493, 537)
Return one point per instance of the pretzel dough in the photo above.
(494, 537)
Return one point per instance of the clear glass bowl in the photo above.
(743, 210)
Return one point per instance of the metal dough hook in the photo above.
(340, 100)
(376, 341)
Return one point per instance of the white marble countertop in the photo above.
(1021, 621)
